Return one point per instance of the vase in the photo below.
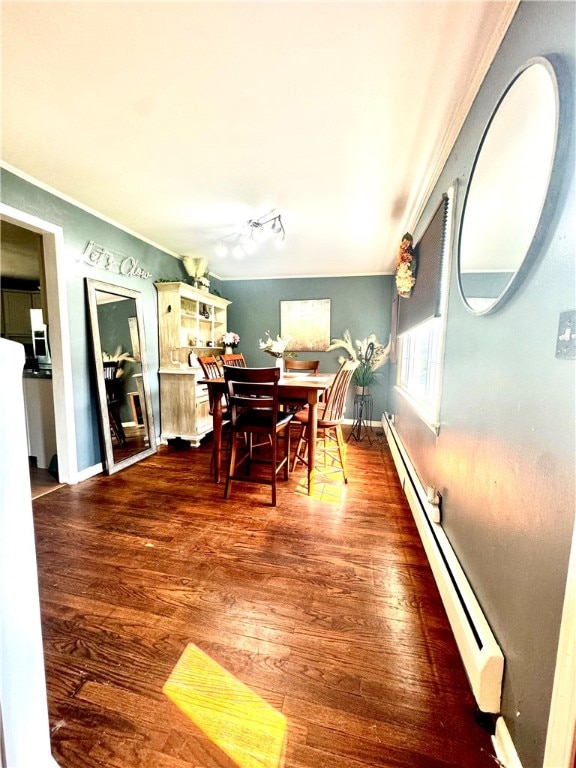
(280, 364)
(228, 350)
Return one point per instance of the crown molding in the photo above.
(67, 199)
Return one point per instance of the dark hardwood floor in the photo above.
(323, 608)
(42, 481)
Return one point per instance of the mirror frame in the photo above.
(108, 462)
(558, 77)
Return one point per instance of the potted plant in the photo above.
(369, 352)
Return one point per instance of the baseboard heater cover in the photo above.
(481, 655)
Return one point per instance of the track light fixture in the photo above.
(255, 231)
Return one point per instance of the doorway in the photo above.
(24, 309)
(55, 290)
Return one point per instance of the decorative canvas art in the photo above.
(307, 323)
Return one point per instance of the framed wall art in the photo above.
(307, 323)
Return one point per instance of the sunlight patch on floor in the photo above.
(244, 726)
(326, 492)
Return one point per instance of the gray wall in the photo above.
(504, 459)
(79, 228)
(361, 304)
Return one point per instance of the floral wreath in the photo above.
(405, 267)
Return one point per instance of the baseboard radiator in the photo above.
(482, 657)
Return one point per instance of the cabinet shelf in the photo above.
(183, 329)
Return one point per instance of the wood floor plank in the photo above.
(326, 609)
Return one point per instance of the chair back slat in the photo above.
(252, 388)
(110, 369)
(210, 367)
(302, 365)
(336, 402)
(236, 359)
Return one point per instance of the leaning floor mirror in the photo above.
(121, 370)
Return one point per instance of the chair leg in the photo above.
(342, 451)
(297, 455)
(287, 453)
(273, 465)
(231, 464)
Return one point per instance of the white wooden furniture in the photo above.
(189, 321)
(40, 420)
(26, 734)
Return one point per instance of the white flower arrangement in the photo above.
(120, 358)
(365, 374)
(276, 347)
(196, 267)
(230, 339)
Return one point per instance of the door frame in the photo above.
(57, 301)
(561, 734)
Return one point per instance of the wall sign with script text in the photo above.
(98, 256)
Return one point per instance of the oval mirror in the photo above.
(507, 191)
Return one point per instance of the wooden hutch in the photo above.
(190, 320)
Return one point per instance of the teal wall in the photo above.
(361, 304)
(504, 459)
(79, 228)
(505, 456)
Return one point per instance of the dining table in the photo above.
(307, 389)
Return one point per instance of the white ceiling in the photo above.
(181, 121)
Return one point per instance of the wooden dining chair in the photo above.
(211, 369)
(308, 366)
(330, 447)
(254, 412)
(114, 397)
(236, 359)
(304, 367)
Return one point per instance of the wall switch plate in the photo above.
(566, 338)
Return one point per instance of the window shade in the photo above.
(424, 301)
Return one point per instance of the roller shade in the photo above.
(424, 302)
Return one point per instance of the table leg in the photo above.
(312, 435)
(217, 435)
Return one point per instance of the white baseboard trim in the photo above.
(374, 424)
(86, 474)
(481, 655)
(504, 746)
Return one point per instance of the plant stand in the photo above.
(363, 407)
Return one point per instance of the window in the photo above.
(419, 369)
(422, 332)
